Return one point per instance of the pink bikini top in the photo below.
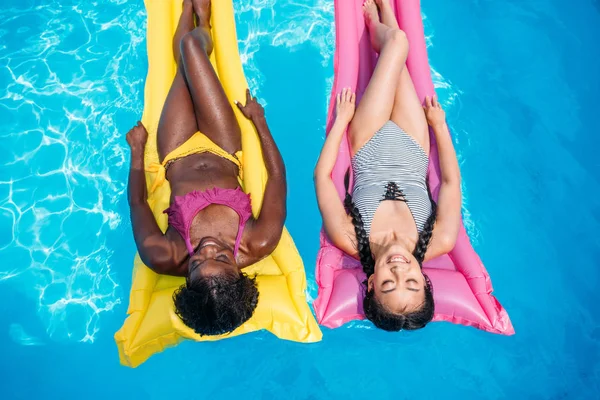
(184, 209)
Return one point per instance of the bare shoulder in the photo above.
(258, 242)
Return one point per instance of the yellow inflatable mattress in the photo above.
(152, 325)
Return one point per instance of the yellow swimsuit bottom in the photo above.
(198, 143)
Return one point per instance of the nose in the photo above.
(400, 268)
(209, 251)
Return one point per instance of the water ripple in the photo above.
(289, 24)
(67, 89)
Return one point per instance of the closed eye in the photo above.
(195, 264)
(413, 282)
(390, 288)
(223, 259)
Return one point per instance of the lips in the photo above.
(207, 241)
(397, 258)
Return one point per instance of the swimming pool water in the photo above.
(519, 81)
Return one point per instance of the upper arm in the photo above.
(159, 254)
(338, 227)
(447, 222)
(156, 249)
(263, 234)
(261, 239)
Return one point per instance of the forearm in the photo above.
(274, 202)
(271, 155)
(447, 156)
(136, 189)
(330, 150)
(449, 197)
(269, 223)
(143, 222)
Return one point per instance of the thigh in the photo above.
(178, 120)
(375, 107)
(214, 115)
(408, 111)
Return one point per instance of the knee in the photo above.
(397, 38)
(196, 43)
(188, 43)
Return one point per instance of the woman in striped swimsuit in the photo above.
(390, 222)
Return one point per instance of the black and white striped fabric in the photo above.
(391, 166)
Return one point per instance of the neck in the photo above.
(382, 240)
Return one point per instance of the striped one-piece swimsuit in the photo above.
(391, 166)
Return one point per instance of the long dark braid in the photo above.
(374, 310)
(427, 232)
(362, 239)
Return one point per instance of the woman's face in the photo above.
(211, 258)
(398, 283)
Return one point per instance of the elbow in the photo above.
(135, 199)
(159, 264)
(320, 174)
(452, 179)
(447, 241)
(158, 261)
(316, 173)
(278, 177)
(268, 245)
(136, 202)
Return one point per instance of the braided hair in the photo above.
(374, 310)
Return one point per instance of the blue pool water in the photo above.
(519, 80)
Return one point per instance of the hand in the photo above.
(137, 138)
(433, 112)
(252, 110)
(345, 106)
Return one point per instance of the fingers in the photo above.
(346, 96)
(432, 102)
(239, 105)
(427, 101)
(249, 97)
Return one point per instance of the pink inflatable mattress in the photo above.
(462, 287)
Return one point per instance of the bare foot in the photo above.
(383, 3)
(371, 13)
(387, 13)
(202, 10)
(373, 23)
(185, 25)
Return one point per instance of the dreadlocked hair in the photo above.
(374, 310)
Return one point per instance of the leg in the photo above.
(177, 120)
(214, 115)
(185, 25)
(196, 100)
(375, 107)
(407, 111)
(387, 14)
